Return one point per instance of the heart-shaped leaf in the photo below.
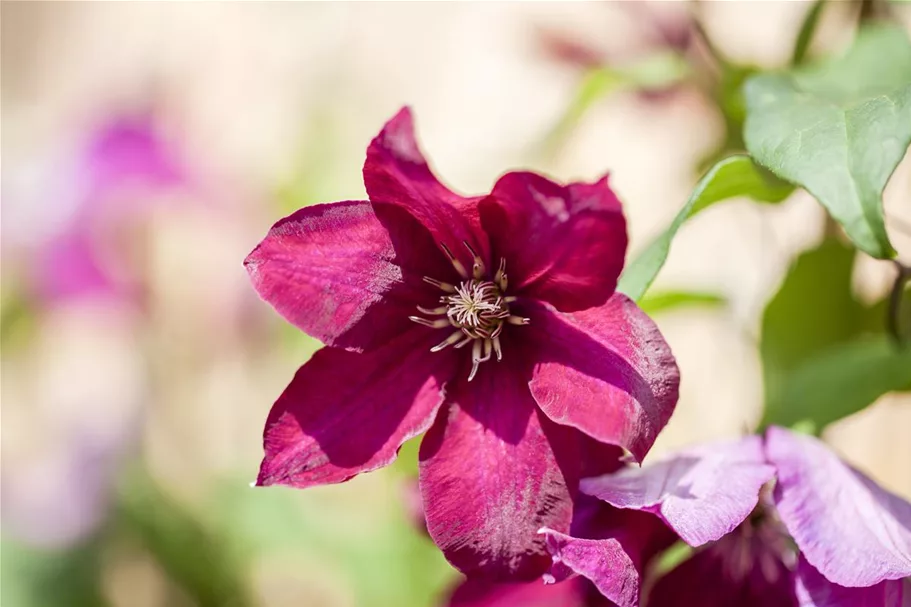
(839, 129)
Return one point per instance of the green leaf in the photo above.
(729, 178)
(823, 354)
(842, 380)
(653, 303)
(839, 129)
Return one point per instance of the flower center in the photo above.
(477, 307)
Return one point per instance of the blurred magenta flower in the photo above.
(555, 363)
(59, 493)
(123, 170)
(657, 32)
(659, 26)
(826, 536)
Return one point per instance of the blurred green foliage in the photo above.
(313, 176)
(376, 552)
(17, 317)
(202, 562)
(44, 577)
(840, 381)
(813, 310)
(825, 354)
(807, 29)
(380, 555)
(664, 301)
(406, 463)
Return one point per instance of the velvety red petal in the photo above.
(348, 273)
(563, 244)
(484, 593)
(596, 458)
(490, 479)
(580, 456)
(397, 173)
(347, 412)
(606, 371)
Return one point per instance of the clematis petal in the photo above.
(563, 244)
(740, 570)
(397, 173)
(490, 479)
(701, 493)
(346, 412)
(484, 593)
(814, 590)
(603, 562)
(606, 371)
(850, 529)
(348, 273)
(608, 546)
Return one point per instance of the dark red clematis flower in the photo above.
(489, 322)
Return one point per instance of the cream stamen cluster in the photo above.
(477, 307)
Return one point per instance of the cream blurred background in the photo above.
(270, 106)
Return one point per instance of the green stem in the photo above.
(805, 36)
(893, 312)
